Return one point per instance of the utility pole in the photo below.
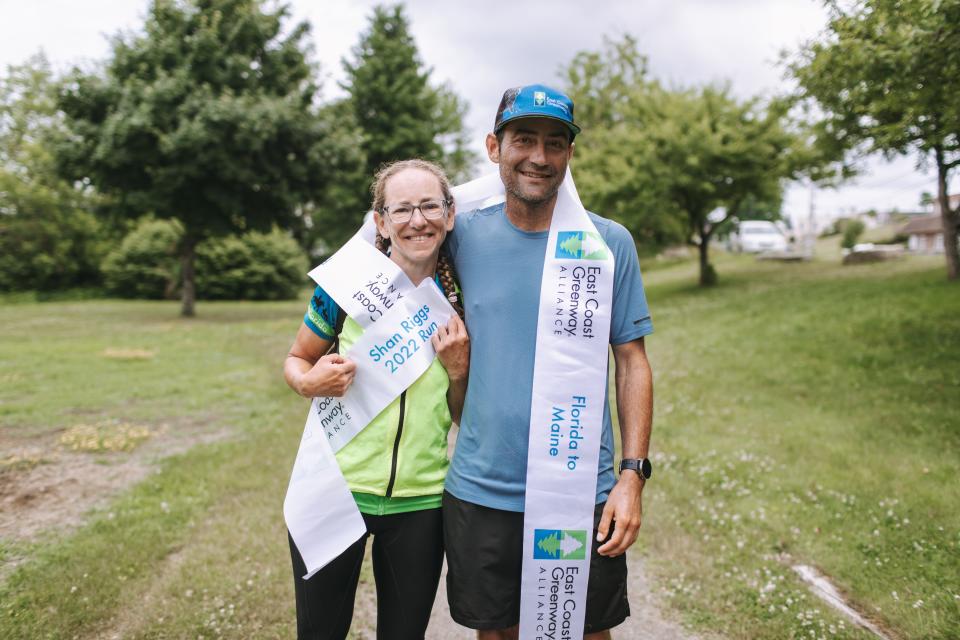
(811, 238)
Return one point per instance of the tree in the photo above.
(399, 113)
(330, 221)
(683, 161)
(717, 154)
(612, 91)
(207, 116)
(49, 238)
(886, 74)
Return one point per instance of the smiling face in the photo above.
(415, 243)
(533, 155)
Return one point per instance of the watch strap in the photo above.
(641, 465)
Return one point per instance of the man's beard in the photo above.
(512, 186)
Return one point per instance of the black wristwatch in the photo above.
(642, 466)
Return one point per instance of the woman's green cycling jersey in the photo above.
(399, 461)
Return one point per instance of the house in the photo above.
(924, 234)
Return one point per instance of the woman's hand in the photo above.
(330, 376)
(453, 348)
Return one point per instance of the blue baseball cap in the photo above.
(535, 101)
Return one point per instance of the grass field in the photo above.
(808, 414)
(805, 413)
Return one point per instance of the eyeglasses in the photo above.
(429, 209)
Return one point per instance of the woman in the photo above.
(395, 467)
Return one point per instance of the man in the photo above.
(499, 254)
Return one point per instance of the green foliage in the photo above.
(754, 208)
(207, 116)
(886, 75)
(255, 266)
(45, 245)
(715, 152)
(49, 238)
(887, 72)
(392, 112)
(145, 264)
(612, 92)
(839, 227)
(332, 219)
(852, 230)
(400, 114)
(662, 161)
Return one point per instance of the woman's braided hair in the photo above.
(448, 276)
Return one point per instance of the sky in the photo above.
(481, 48)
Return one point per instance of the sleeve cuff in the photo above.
(326, 335)
(643, 328)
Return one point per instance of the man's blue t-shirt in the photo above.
(500, 268)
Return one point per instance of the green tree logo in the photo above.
(559, 544)
(581, 245)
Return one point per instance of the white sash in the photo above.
(566, 422)
(393, 352)
(566, 414)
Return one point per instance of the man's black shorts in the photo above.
(484, 559)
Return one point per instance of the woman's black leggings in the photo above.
(407, 559)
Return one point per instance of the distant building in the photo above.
(924, 234)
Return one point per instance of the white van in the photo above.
(757, 236)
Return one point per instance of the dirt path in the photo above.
(48, 486)
(647, 619)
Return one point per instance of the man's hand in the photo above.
(634, 382)
(624, 508)
(453, 348)
(330, 376)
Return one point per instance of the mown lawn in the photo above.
(805, 413)
(198, 549)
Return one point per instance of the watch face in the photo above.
(646, 469)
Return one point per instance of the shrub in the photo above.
(145, 265)
(851, 231)
(49, 250)
(255, 266)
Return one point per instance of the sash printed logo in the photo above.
(581, 245)
(559, 544)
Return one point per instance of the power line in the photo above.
(881, 181)
(888, 184)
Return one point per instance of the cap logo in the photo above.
(535, 101)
